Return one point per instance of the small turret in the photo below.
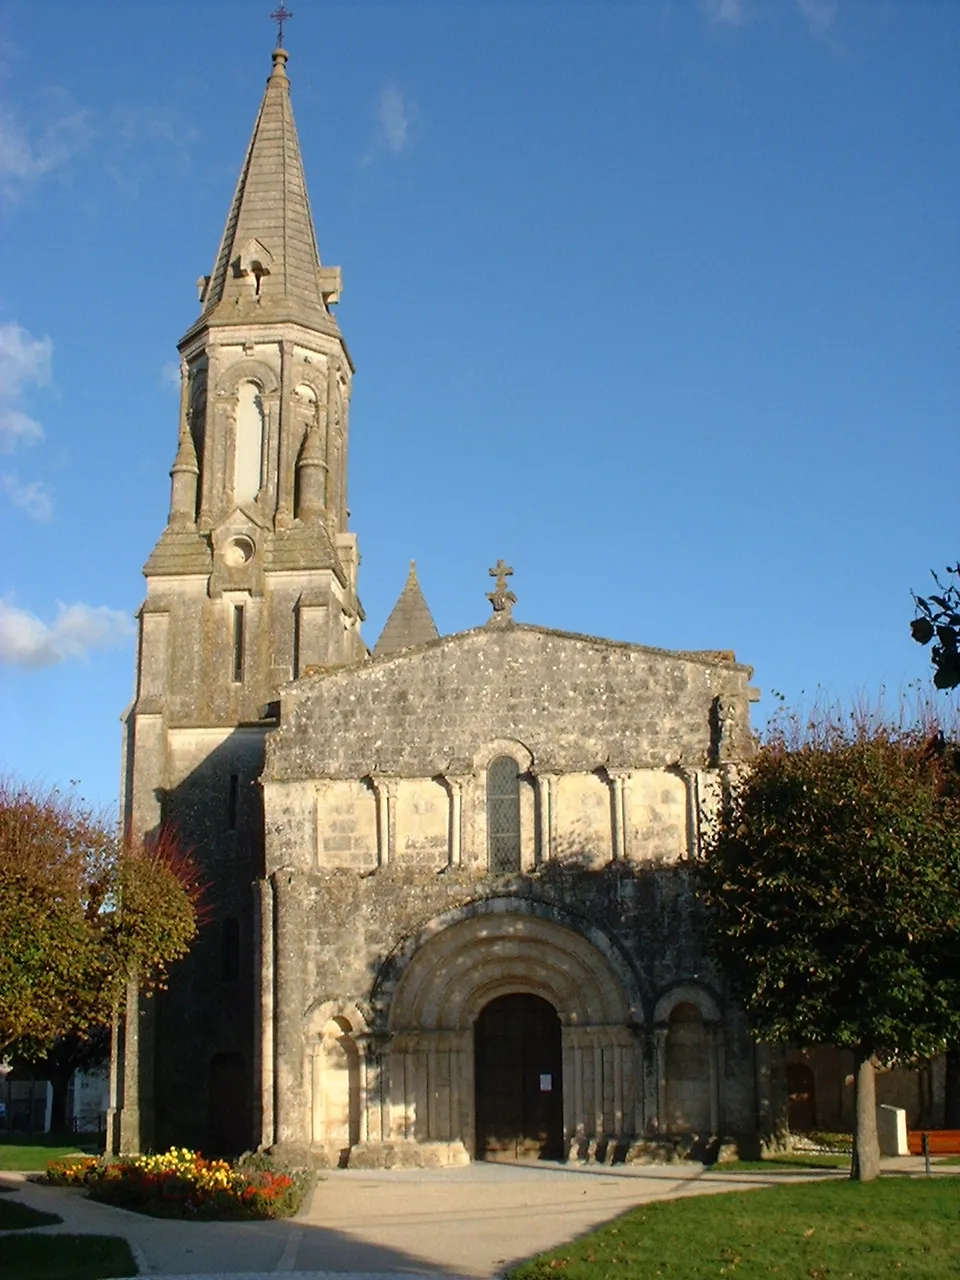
(184, 475)
(311, 476)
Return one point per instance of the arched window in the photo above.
(248, 457)
(230, 950)
(503, 815)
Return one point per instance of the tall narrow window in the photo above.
(503, 815)
(238, 642)
(248, 449)
(233, 798)
(295, 655)
(230, 950)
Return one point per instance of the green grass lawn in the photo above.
(65, 1258)
(797, 1160)
(31, 1153)
(835, 1230)
(17, 1217)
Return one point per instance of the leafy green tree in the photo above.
(938, 619)
(833, 880)
(80, 911)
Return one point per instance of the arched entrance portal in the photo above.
(459, 998)
(518, 1077)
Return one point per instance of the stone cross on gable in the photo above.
(502, 598)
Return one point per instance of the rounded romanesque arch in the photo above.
(468, 964)
(248, 369)
(442, 976)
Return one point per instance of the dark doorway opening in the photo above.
(801, 1098)
(518, 1074)
(229, 1123)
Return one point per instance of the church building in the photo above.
(449, 906)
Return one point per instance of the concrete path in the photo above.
(470, 1221)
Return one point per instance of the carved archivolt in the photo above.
(463, 960)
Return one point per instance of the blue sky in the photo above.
(658, 301)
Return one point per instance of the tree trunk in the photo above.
(951, 1119)
(866, 1144)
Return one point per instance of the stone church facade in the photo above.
(449, 907)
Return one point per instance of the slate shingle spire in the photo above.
(411, 622)
(268, 256)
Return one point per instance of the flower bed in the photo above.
(182, 1184)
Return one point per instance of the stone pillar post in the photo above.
(264, 1045)
(129, 1137)
(115, 1085)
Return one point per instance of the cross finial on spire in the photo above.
(281, 15)
(502, 598)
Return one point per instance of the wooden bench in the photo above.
(943, 1142)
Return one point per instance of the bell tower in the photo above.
(252, 582)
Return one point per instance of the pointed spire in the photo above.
(411, 622)
(268, 256)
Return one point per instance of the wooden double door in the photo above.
(519, 1086)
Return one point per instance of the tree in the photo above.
(939, 619)
(833, 881)
(81, 910)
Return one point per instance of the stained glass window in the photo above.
(503, 815)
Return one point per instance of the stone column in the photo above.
(269, 452)
(691, 781)
(619, 781)
(713, 1041)
(286, 419)
(660, 1050)
(386, 789)
(547, 797)
(455, 787)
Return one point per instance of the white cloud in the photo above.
(78, 629)
(17, 428)
(24, 159)
(170, 374)
(392, 116)
(393, 120)
(731, 13)
(819, 14)
(32, 496)
(23, 359)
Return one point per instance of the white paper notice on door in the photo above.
(546, 1084)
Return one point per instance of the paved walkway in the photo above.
(471, 1221)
